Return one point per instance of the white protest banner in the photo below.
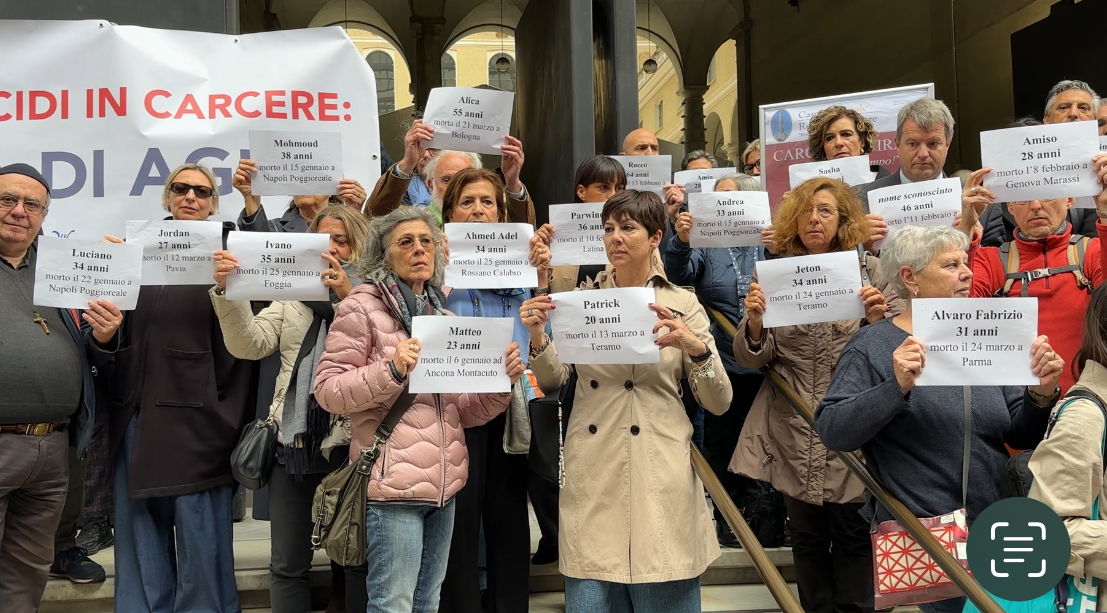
(853, 170)
(1089, 201)
(702, 180)
(578, 234)
(784, 130)
(469, 119)
(1041, 162)
(490, 256)
(109, 111)
(70, 272)
(177, 252)
(811, 289)
(728, 219)
(295, 163)
(647, 173)
(976, 341)
(461, 354)
(605, 326)
(278, 266)
(927, 203)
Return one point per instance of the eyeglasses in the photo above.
(748, 168)
(203, 192)
(407, 243)
(824, 212)
(32, 207)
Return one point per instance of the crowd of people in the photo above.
(159, 396)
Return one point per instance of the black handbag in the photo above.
(547, 429)
(253, 456)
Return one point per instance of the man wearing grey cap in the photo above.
(47, 403)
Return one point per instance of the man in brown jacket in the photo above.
(439, 167)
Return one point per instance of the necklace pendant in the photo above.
(42, 322)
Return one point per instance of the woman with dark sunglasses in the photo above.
(178, 401)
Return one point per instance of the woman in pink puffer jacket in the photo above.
(369, 353)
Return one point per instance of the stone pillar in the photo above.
(695, 134)
(427, 73)
(747, 123)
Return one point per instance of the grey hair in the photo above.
(698, 154)
(925, 112)
(1069, 85)
(374, 265)
(753, 145)
(432, 165)
(744, 182)
(914, 247)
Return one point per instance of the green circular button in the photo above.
(1018, 549)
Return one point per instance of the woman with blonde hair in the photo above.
(830, 541)
(311, 442)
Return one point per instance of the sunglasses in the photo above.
(181, 189)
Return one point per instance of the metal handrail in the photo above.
(957, 573)
(785, 599)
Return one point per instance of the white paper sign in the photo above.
(490, 256)
(728, 219)
(278, 266)
(469, 119)
(853, 170)
(177, 252)
(578, 234)
(701, 180)
(1041, 162)
(70, 272)
(976, 341)
(1089, 201)
(927, 203)
(461, 354)
(295, 163)
(647, 173)
(605, 326)
(811, 289)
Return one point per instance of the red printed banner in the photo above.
(106, 112)
(784, 130)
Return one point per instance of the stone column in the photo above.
(427, 73)
(695, 135)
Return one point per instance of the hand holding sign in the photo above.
(907, 362)
(678, 336)
(413, 146)
(104, 317)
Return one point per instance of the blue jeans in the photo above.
(408, 547)
(172, 553)
(591, 596)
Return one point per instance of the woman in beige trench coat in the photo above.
(830, 540)
(635, 530)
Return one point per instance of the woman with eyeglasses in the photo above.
(751, 158)
(301, 209)
(178, 401)
(363, 371)
(496, 496)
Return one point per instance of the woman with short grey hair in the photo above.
(698, 159)
(364, 371)
(913, 437)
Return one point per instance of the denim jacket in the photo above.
(721, 277)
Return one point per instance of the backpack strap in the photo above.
(1010, 266)
(863, 259)
(1078, 246)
